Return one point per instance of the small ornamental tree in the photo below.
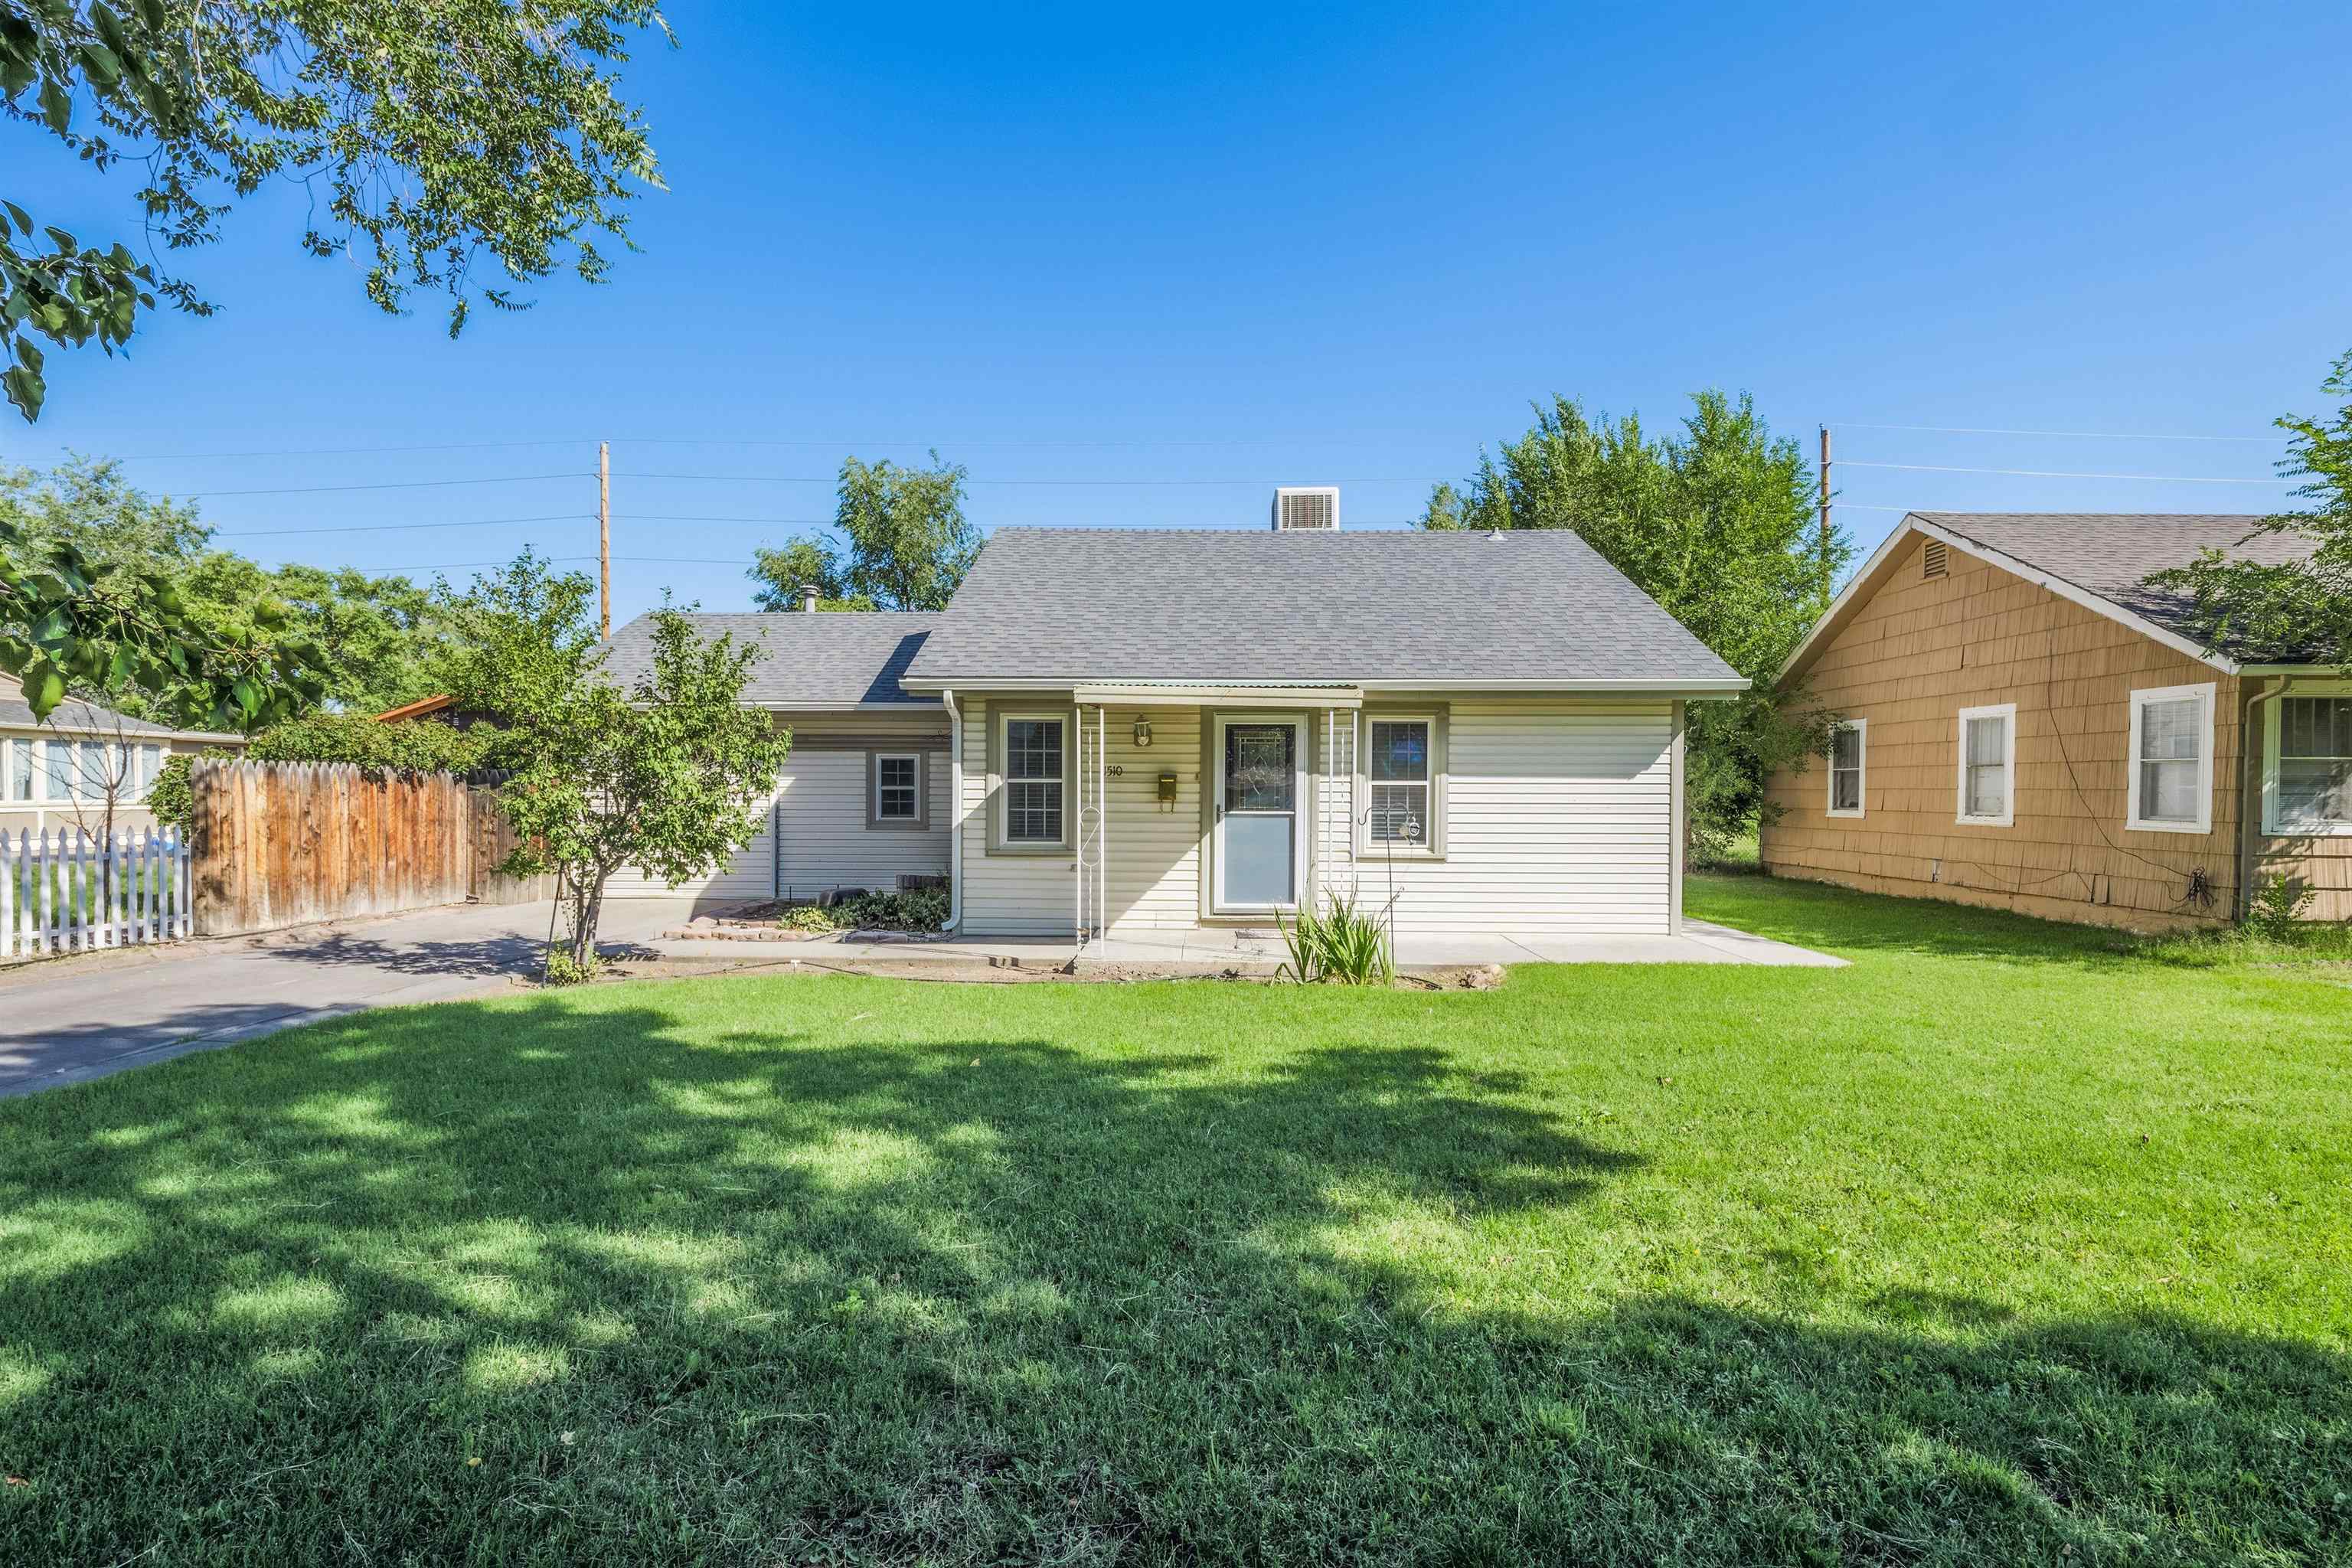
(666, 776)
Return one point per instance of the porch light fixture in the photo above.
(1142, 733)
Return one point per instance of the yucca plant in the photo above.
(1347, 946)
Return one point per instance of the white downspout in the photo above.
(955, 812)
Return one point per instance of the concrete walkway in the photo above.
(1255, 951)
(67, 1019)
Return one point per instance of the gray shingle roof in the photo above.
(73, 716)
(828, 660)
(1362, 608)
(2109, 553)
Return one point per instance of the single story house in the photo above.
(56, 774)
(2027, 724)
(1117, 731)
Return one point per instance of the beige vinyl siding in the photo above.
(820, 835)
(1006, 895)
(1922, 648)
(1153, 851)
(1558, 819)
(829, 752)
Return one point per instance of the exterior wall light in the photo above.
(1142, 733)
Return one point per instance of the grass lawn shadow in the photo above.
(571, 1280)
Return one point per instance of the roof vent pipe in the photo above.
(808, 597)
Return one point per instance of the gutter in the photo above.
(955, 812)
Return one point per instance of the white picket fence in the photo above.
(56, 895)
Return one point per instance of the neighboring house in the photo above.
(2028, 725)
(56, 774)
(1132, 729)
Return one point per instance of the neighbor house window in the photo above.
(1988, 744)
(898, 789)
(62, 774)
(19, 776)
(1033, 781)
(1399, 768)
(2170, 785)
(1847, 743)
(2307, 765)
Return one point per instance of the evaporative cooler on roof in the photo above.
(1299, 507)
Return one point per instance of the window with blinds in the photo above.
(1987, 782)
(2312, 766)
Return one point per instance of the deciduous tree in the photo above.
(429, 133)
(2297, 611)
(1717, 522)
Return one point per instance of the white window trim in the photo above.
(1432, 846)
(1004, 834)
(2203, 824)
(2008, 817)
(1861, 727)
(2273, 827)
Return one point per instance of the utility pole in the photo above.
(1825, 515)
(605, 533)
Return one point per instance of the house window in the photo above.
(151, 763)
(19, 777)
(898, 787)
(62, 774)
(2308, 766)
(2171, 786)
(1847, 743)
(1033, 781)
(1399, 771)
(1988, 746)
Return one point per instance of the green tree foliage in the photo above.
(524, 639)
(665, 775)
(810, 560)
(427, 133)
(909, 544)
(1717, 522)
(376, 641)
(98, 613)
(2300, 611)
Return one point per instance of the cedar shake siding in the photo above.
(1919, 650)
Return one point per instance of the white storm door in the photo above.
(1261, 790)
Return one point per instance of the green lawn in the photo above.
(2007, 1245)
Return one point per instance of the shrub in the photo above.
(169, 796)
(2279, 904)
(563, 969)
(809, 918)
(357, 738)
(924, 910)
(1349, 946)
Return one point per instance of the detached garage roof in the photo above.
(1399, 608)
(826, 661)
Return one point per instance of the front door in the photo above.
(1260, 783)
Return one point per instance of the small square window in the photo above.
(898, 790)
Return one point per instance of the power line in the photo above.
(830, 478)
(347, 451)
(2070, 434)
(2057, 474)
(393, 485)
(402, 527)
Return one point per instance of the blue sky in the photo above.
(1170, 249)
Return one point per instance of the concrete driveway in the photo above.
(64, 1020)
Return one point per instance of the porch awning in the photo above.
(1156, 694)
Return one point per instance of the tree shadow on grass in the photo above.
(762, 1298)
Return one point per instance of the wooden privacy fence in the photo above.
(280, 844)
(75, 892)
